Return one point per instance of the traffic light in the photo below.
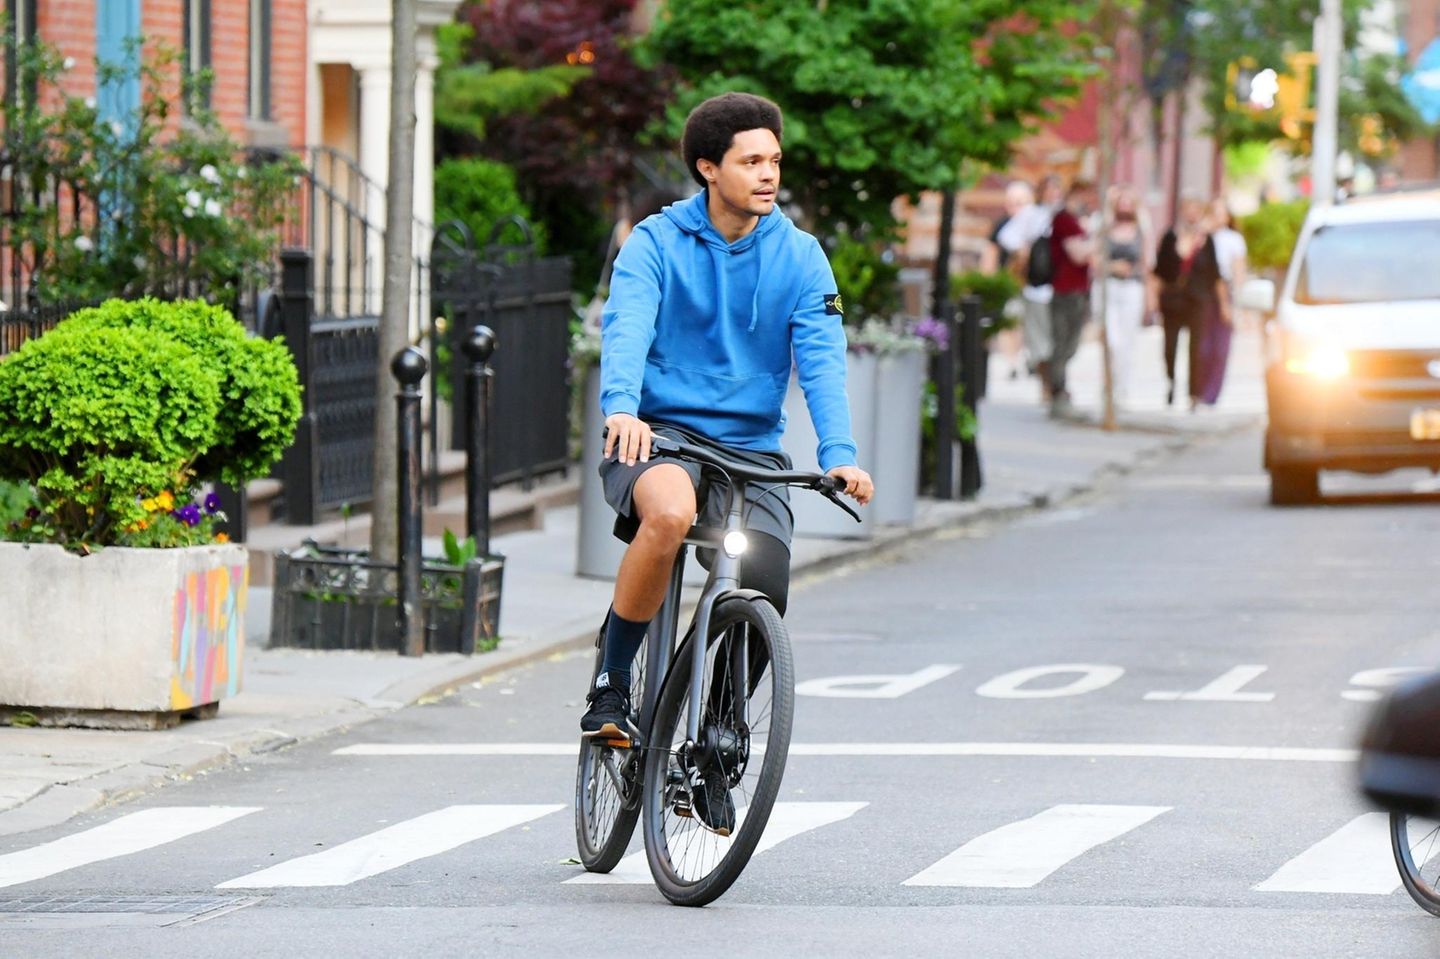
(1266, 92)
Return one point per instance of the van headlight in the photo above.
(1323, 361)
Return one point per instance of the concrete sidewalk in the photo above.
(1029, 462)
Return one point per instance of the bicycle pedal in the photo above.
(683, 808)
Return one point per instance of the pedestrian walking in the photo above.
(1191, 291)
(1018, 196)
(1025, 238)
(1230, 251)
(1123, 260)
(1071, 250)
(712, 301)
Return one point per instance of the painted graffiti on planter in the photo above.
(207, 643)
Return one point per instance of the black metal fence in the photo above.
(526, 301)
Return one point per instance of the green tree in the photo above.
(882, 98)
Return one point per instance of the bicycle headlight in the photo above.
(734, 543)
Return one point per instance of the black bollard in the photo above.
(409, 368)
(972, 357)
(478, 347)
(945, 405)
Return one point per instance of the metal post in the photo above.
(1329, 37)
(409, 368)
(972, 356)
(301, 466)
(945, 405)
(478, 347)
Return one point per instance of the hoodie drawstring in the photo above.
(759, 276)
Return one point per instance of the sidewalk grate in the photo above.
(171, 910)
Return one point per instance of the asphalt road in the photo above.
(1123, 727)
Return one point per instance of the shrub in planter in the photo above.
(115, 417)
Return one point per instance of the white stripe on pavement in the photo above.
(428, 835)
(1037, 750)
(129, 834)
(1021, 854)
(1354, 859)
(787, 820)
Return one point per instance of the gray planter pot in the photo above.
(895, 465)
(814, 515)
(106, 639)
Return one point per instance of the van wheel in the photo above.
(1293, 485)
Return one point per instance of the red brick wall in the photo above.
(70, 26)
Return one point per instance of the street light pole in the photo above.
(1329, 37)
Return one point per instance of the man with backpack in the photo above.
(1026, 237)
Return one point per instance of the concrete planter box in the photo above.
(122, 638)
(895, 467)
(814, 516)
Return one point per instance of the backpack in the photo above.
(1040, 267)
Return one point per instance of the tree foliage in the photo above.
(881, 97)
(468, 94)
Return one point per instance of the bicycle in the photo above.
(1415, 840)
(735, 692)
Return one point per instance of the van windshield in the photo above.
(1371, 263)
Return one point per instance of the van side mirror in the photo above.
(1259, 295)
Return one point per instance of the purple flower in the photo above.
(934, 331)
(212, 504)
(189, 514)
(32, 513)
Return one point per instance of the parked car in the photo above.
(1353, 344)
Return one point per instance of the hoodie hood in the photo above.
(692, 216)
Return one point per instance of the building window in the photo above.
(20, 17)
(197, 44)
(260, 59)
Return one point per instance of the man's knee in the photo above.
(665, 504)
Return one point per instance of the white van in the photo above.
(1353, 344)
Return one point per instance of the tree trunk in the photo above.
(399, 261)
(1112, 21)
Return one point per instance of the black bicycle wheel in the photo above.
(730, 778)
(607, 785)
(1416, 843)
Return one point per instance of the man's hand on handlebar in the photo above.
(857, 483)
(630, 436)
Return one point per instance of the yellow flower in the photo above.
(222, 538)
(165, 500)
(148, 505)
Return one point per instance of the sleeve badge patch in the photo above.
(834, 306)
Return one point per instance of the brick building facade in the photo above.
(257, 50)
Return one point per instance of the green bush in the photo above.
(1271, 233)
(114, 418)
(994, 290)
(480, 193)
(869, 286)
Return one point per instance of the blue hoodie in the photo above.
(700, 333)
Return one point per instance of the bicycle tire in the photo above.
(1410, 835)
(605, 816)
(670, 835)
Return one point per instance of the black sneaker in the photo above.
(609, 714)
(711, 803)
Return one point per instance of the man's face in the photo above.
(748, 175)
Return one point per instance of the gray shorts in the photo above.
(767, 507)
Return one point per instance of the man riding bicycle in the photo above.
(709, 302)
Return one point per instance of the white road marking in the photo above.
(787, 820)
(1012, 685)
(1376, 680)
(1022, 854)
(394, 846)
(873, 685)
(1354, 859)
(900, 750)
(129, 834)
(1226, 689)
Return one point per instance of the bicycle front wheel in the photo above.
(706, 803)
(1416, 841)
(607, 784)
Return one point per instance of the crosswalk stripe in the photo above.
(129, 834)
(1355, 859)
(787, 820)
(428, 835)
(1298, 754)
(1021, 854)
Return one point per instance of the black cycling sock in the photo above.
(622, 641)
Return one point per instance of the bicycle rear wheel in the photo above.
(729, 778)
(1416, 843)
(607, 784)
